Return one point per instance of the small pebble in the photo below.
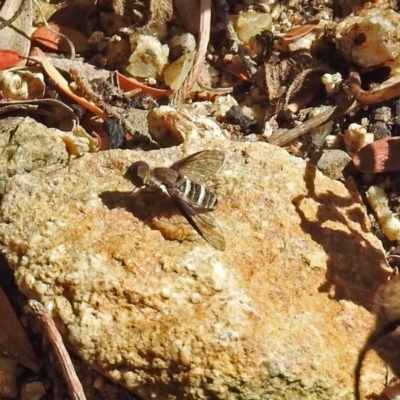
(332, 162)
(236, 116)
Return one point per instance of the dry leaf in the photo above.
(79, 142)
(9, 58)
(22, 84)
(76, 16)
(55, 112)
(48, 37)
(379, 156)
(297, 75)
(64, 86)
(129, 84)
(189, 14)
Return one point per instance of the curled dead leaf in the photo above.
(75, 15)
(79, 142)
(298, 31)
(286, 42)
(129, 84)
(22, 84)
(379, 156)
(49, 37)
(9, 58)
(64, 86)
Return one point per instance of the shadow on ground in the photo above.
(354, 270)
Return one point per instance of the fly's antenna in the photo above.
(133, 190)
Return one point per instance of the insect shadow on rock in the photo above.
(177, 183)
(385, 337)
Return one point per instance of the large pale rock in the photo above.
(27, 145)
(280, 314)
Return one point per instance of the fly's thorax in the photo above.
(164, 176)
(197, 194)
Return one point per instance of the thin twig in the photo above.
(283, 138)
(386, 91)
(50, 330)
(204, 37)
(7, 23)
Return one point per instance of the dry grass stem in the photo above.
(283, 138)
(50, 330)
(204, 37)
(386, 91)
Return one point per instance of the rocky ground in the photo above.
(271, 295)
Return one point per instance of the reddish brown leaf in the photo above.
(128, 84)
(74, 15)
(380, 156)
(299, 31)
(74, 385)
(9, 58)
(50, 39)
(236, 69)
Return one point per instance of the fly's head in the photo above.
(139, 174)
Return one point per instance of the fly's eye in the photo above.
(138, 173)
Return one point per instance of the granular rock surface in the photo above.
(28, 145)
(280, 314)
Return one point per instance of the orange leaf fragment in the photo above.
(63, 85)
(379, 156)
(128, 84)
(9, 58)
(299, 31)
(237, 70)
(48, 37)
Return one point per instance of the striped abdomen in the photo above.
(198, 195)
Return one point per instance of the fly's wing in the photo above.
(200, 165)
(205, 224)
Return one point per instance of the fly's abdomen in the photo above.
(198, 195)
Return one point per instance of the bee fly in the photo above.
(192, 199)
